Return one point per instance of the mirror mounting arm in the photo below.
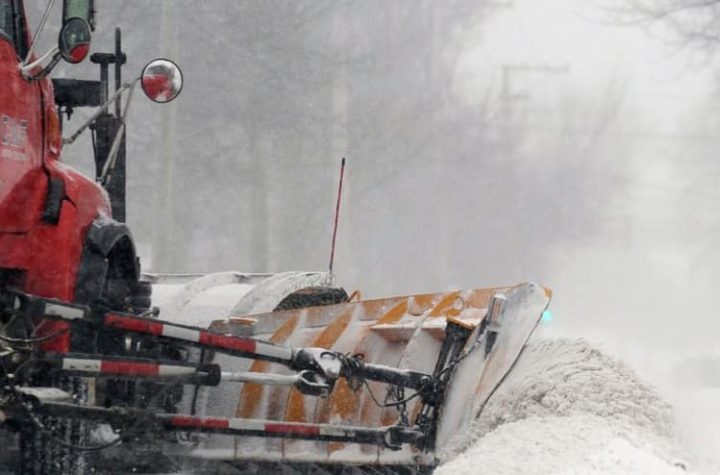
(26, 69)
(73, 46)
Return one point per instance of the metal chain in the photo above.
(398, 393)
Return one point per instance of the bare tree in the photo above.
(691, 23)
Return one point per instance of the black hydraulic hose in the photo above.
(33, 340)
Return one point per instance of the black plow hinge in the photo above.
(456, 339)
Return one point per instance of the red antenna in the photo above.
(337, 216)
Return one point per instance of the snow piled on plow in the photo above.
(567, 408)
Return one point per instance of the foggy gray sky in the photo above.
(595, 177)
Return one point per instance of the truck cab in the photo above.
(58, 236)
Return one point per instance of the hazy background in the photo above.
(487, 143)
(572, 143)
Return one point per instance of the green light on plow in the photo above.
(546, 316)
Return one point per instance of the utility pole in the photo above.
(164, 249)
(260, 149)
(446, 264)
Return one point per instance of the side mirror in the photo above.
(161, 80)
(74, 40)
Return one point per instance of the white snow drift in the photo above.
(567, 408)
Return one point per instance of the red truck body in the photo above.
(46, 208)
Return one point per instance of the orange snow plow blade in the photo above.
(467, 340)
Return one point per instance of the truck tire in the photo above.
(40, 453)
(140, 296)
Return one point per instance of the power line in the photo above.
(611, 133)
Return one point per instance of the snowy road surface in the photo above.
(569, 408)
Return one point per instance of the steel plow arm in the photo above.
(325, 364)
(389, 437)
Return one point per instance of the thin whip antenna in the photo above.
(337, 217)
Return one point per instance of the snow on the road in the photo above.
(567, 408)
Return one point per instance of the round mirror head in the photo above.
(161, 80)
(74, 41)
